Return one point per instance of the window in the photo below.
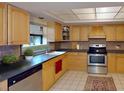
(36, 39)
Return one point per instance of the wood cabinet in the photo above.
(14, 25)
(111, 58)
(96, 32)
(110, 32)
(120, 33)
(58, 31)
(120, 63)
(77, 61)
(74, 33)
(18, 26)
(115, 63)
(48, 72)
(3, 24)
(3, 85)
(84, 31)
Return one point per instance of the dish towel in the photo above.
(58, 66)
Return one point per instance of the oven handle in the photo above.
(96, 55)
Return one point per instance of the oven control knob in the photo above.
(97, 50)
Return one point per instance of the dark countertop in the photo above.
(115, 51)
(8, 71)
(85, 50)
(73, 50)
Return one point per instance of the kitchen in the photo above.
(71, 46)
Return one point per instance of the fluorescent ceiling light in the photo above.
(108, 9)
(59, 12)
(66, 17)
(86, 16)
(84, 10)
(105, 15)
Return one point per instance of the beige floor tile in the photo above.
(75, 81)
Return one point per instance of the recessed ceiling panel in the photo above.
(68, 17)
(84, 10)
(105, 15)
(86, 16)
(58, 12)
(108, 9)
(120, 15)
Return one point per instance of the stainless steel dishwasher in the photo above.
(29, 80)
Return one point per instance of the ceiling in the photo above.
(76, 12)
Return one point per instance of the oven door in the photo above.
(97, 60)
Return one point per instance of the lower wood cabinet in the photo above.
(48, 75)
(120, 63)
(111, 62)
(48, 72)
(77, 61)
(115, 63)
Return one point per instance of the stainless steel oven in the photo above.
(97, 59)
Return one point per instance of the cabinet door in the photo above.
(58, 32)
(74, 33)
(110, 32)
(48, 73)
(111, 62)
(77, 61)
(84, 33)
(18, 26)
(120, 63)
(3, 24)
(120, 32)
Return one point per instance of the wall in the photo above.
(4, 50)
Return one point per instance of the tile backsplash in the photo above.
(111, 45)
(115, 45)
(10, 49)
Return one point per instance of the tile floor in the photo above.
(75, 81)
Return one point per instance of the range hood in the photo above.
(97, 32)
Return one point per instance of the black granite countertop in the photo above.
(8, 71)
(115, 51)
(85, 50)
(73, 50)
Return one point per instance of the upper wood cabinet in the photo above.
(58, 31)
(75, 33)
(3, 24)
(110, 32)
(96, 32)
(120, 33)
(84, 33)
(18, 26)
